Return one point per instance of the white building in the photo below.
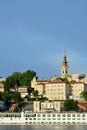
(47, 106)
(23, 91)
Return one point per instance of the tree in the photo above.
(70, 105)
(35, 93)
(84, 95)
(9, 83)
(27, 77)
(16, 97)
(21, 104)
(19, 79)
(64, 79)
(17, 76)
(5, 96)
(0, 95)
(16, 109)
(43, 99)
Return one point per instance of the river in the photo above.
(41, 127)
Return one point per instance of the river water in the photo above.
(41, 127)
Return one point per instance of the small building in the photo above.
(77, 88)
(48, 106)
(23, 91)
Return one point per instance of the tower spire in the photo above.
(65, 67)
(65, 59)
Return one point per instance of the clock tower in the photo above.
(65, 67)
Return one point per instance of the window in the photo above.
(38, 118)
(58, 119)
(38, 115)
(73, 115)
(58, 115)
(49, 115)
(68, 115)
(83, 118)
(54, 118)
(54, 115)
(83, 115)
(73, 119)
(44, 119)
(69, 118)
(64, 115)
(49, 119)
(78, 115)
(43, 115)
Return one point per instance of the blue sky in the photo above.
(34, 34)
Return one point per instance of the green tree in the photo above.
(43, 99)
(21, 104)
(64, 79)
(9, 83)
(35, 93)
(19, 79)
(27, 77)
(84, 95)
(70, 105)
(1, 95)
(5, 96)
(16, 97)
(17, 76)
(16, 109)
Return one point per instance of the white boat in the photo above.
(43, 118)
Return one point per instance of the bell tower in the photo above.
(65, 67)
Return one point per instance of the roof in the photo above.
(82, 103)
(77, 83)
(58, 82)
(42, 81)
(40, 84)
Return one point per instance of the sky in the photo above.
(34, 35)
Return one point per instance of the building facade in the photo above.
(23, 90)
(47, 106)
(57, 90)
(77, 88)
(53, 90)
